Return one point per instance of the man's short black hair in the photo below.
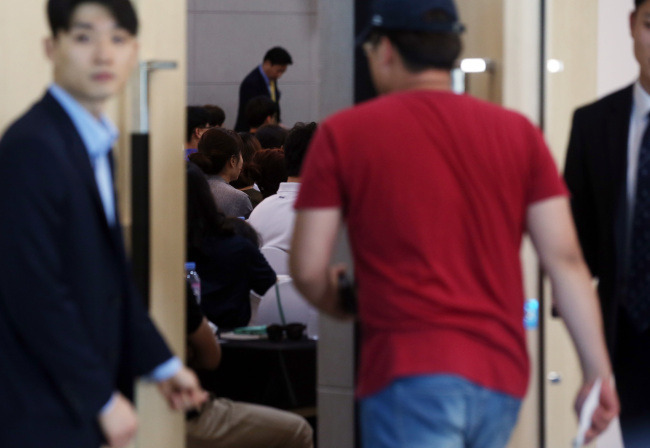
(197, 117)
(217, 115)
(638, 3)
(278, 56)
(295, 147)
(423, 50)
(258, 109)
(271, 136)
(60, 12)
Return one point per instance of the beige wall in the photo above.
(484, 40)
(162, 37)
(616, 64)
(521, 80)
(336, 339)
(24, 71)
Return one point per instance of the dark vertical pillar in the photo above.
(363, 88)
(541, 275)
(140, 213)
(363, 91)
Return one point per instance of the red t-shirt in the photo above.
(434, 187)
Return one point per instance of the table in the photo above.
(278, 374)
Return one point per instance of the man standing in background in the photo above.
(436, 190)
(73, 333)
(608, 173)
(262, 81)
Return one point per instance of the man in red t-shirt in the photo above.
(436, 190)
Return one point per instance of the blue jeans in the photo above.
(437, 411)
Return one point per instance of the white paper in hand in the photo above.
(587, 412)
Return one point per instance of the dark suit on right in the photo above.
(596, 174)
(253, 85)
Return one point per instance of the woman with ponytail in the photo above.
(220, 158)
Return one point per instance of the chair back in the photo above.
(283, 300)
(277, 259)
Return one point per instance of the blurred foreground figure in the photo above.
(608, 173)
(73, 332)
(437, 190)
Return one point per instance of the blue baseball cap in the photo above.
(411, 15)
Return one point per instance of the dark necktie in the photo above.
(638, 297)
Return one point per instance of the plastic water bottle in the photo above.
(193, 279)
(531, 314)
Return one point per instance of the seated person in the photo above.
(244, 229)
(230, 265)
(271, 170)
(227, 424)
(220, 159)
(199, 120)
(273, 218)
(261, 111)
(245, 181)
(217, 115)
(271, 136)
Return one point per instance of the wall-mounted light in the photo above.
(476, 65)
(554, 66)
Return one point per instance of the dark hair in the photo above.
(258, 109)
(216, 147)
(60, 12)
(271, 136)
(423, 50)
(217, 115)
(244, 229)
(638, 3)
(278, 56)
(197, 117)
(250, 145)
(203, 217)
(272, 170)
(295, 147)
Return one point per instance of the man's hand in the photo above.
(335, 300)
(119, 424)
(608, 407)
(183, 391)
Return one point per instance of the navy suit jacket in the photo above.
(72, 328)
(253, 85)
(596, 173)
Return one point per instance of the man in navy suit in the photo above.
(607, 172)
(73, 332)
(262, 81)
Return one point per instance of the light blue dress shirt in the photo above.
(266, 78)
(98, 136)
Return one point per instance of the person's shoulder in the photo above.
(462, 106)
(264, 210)
(224, 244)
(37, 117)
(253, 76)
(384, 105)
(622, 97)
(269, 202)
(36, 132)
(238, 194)
(237, 243)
